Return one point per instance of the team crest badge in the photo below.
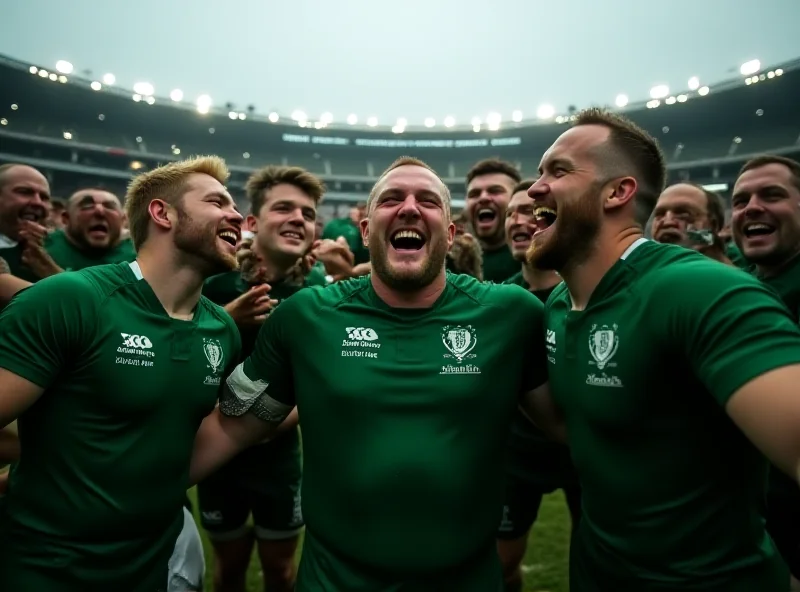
(213, 351)
(459, 341)
(603, 343)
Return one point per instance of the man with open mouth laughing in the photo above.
(676, 376)
(406, 400)
(489, 186)
(265, 479)
(766, 227)
(92, 233)
(109, 371)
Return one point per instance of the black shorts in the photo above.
(256, 482)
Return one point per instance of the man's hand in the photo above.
(34, 255)
(336, 256)
(252, 307)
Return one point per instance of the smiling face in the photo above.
(94, 219)
(520, 224)
(408, 228)
(487, 200)
(24, 195)
(765, 220)
(285, 226)
(208, 225)
(567, 202)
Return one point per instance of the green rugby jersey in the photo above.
(71, 258)
(673, 492)
(96, 500)
(405, 416)
(352, 234)
(499, 265)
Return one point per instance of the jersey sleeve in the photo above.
(530, 319)
(730, 327)
(264, 383)
(48, 326)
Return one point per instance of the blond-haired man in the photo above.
(110, 371)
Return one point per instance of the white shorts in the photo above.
(187, 566)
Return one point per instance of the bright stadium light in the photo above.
(622, 100)
(137, 97)
(682, 98)
(67, 135)
(703, 91)
(64, 67)
(326, 118)
(545, 112)
(516, 116)
(33, 69)
(96, 85)
(476, 127)
(494, 126)
(318, 124)
(398, 129)
(750, 67)
(150, 100)
(659, 91)
(143, 88)
(352, 119)
(476, 121)
(779, 72)
(273, 117)
(43, 73)
(493, 119)
(430, 122)
(653, 104)
(203, 104)
(449, 121)
(62, 79)
(298, 115)
(233, 114)
(302, 123)
(109, 79)
(694, 83)
(402, 121)
(670, 101)
(53, 76)
(176, 95)
(242, 116)
(372, 121)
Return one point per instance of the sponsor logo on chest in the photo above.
(135, 350)
(459, 342)
(361, 342)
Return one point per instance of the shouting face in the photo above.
(94, 219)
(408, 228)
(567, 199)
(520, 224)
(765, 220)
(487, 200)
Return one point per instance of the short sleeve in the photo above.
(730, 327)
(530, 315)
(47, 326)
(264, 384)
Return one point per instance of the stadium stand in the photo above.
(78, 136)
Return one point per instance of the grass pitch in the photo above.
(545, 566)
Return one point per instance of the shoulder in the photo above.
(73, 289)
(505, 295)
(217, 313)
(515, 279)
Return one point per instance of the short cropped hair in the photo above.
(409, 161)
(167, 183)
(523, 185)
(765, 159)
(492, 166)
(629, 151)
(264, 179)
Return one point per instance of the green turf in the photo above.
(545, 565)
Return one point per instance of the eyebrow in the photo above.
(557, 161)
(223, 196)
(492, 187)
(422, 193)
(764, 189)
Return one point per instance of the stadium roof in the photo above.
(422, 60)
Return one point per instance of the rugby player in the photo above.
(536, 465)
(406, 400)
(110, 371)
(490, 183)
(265, 479)
(675, 375)
(765, 224)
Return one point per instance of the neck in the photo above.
(539, 279)
(583, 278)
(177, 284)
(277, 267)
(424, 298)
(771, 270)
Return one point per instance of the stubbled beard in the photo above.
(570, 243)
(199, 243)
(407, 281)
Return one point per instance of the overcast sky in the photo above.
(408, 58)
